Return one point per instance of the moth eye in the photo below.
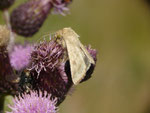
(88, 73)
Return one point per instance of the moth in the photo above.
(79, 58)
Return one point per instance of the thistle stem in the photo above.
(7, 18)
(7, 21)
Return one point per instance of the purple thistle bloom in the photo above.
(33, 103)
(46, 56)
(20, 56)
(60, 6)
(48, 69)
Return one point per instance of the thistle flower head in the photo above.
(60, 6)
(27, 19)
(20, 56)
(46, 56)
(48, 69)
(4, 35)
(4, 4)
(53, 82)
(33, 103)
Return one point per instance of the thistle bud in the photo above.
(4, 4)
(27, 19)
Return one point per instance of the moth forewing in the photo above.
(91, 60)
(79, 58)
(77, 64)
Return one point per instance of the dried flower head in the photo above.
(33, 103)
(20, 56)
(4, 35)
(27, 19)
(4, 4)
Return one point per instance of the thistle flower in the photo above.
(20, 56)
(48, 70)
(27, 19)
(46, 56)
(4, 4)
(33, 103)
(60, 6)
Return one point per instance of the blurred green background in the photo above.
(120, 31)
